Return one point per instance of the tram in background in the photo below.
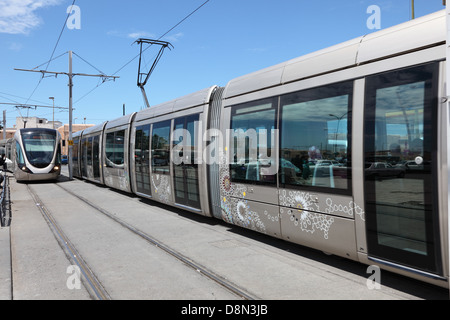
(36, 154)
(361, 145)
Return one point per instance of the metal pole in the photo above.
(413, 10)
(70, 118)
(4, 124)
(53, 123)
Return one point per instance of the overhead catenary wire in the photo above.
(16, 96)
(53, 52)
(46, 62)
(101, 72)
(180, 22)
(137, 56)
(106, 78)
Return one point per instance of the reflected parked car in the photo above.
(324, 168)
(380, 170)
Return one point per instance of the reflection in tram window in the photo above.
(185, 173)
(115, 148)
(96, 156)
(252, 148)
(161, 147)
(19, 155)
(142, 159)
(39, 148)
(75, 156)
(315, 137)
(399, 141)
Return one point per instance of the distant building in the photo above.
(64, 131)
(35, 122)
(9, 133)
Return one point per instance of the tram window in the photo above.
(115, 148)
(252, 142)
(119, 147)
(75, 150)
(75, 154)
(19, 155)
(83, 157)
(161, 147)
(89, 151)
(95, 155)
(315, 138)
(142, 158)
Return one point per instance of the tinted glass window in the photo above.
(142, 158)
(76, 142)
(400, 161)
(252, 142)
(19, 155)
(185, 174)
(96, 156)
(316, 138)
(115, 148)
(39, 147)
(161, 147)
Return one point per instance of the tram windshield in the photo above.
(39, 147)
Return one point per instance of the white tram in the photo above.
(344, 150)
(36, 154)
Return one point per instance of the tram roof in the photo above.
(94, 129)
(420, 33)
(189, 101)
(120, 121)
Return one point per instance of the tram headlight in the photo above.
(25, 169)
(56, 168)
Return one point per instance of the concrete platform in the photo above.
(130, 268)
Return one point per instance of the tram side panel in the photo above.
(299, 187)
(165, 159)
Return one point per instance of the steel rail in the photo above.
(194, 265)
(93, 284)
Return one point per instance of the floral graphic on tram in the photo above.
(301, 207)
(161, 186)
(304, 204)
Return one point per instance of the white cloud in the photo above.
(140, 34)
(18, 16)
(14, 46)
(144, 34)
(175, 37)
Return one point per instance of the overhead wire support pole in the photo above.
(70, 74)
(140, 83)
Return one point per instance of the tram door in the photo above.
(142, 159)
(401, 168)
(96, 157)
(185, 168)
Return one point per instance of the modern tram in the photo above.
(36, 154)
(344, 150)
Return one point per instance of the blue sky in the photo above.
(223, 40)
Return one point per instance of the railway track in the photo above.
(94, 286)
